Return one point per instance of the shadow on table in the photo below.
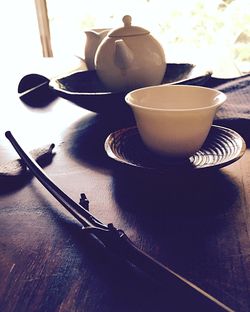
(185, 207)
(201, 192)
(180, 218)
(176, 203)
(85, 139)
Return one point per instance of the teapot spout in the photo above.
(93, 40)
(123, 55)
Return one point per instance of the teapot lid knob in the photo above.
(127, 19)
(128, 30)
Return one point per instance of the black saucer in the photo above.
(222, 147)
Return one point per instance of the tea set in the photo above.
(172, 120)
(125, 72)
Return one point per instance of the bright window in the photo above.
(215, 33)
(19, 30)
(211, 32)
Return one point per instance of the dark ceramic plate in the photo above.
(85, 89)
(222, 147)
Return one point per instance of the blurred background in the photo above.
(215, 33)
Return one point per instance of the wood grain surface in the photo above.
(196, 223)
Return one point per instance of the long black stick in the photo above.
(118, 242)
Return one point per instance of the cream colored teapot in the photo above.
(129, 58)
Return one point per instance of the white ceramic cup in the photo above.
(174, 120)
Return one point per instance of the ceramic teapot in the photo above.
(129, 57)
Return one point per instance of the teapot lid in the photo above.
(128, 30)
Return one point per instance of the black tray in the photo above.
(85, 89)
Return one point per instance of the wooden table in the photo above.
(197, 223)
